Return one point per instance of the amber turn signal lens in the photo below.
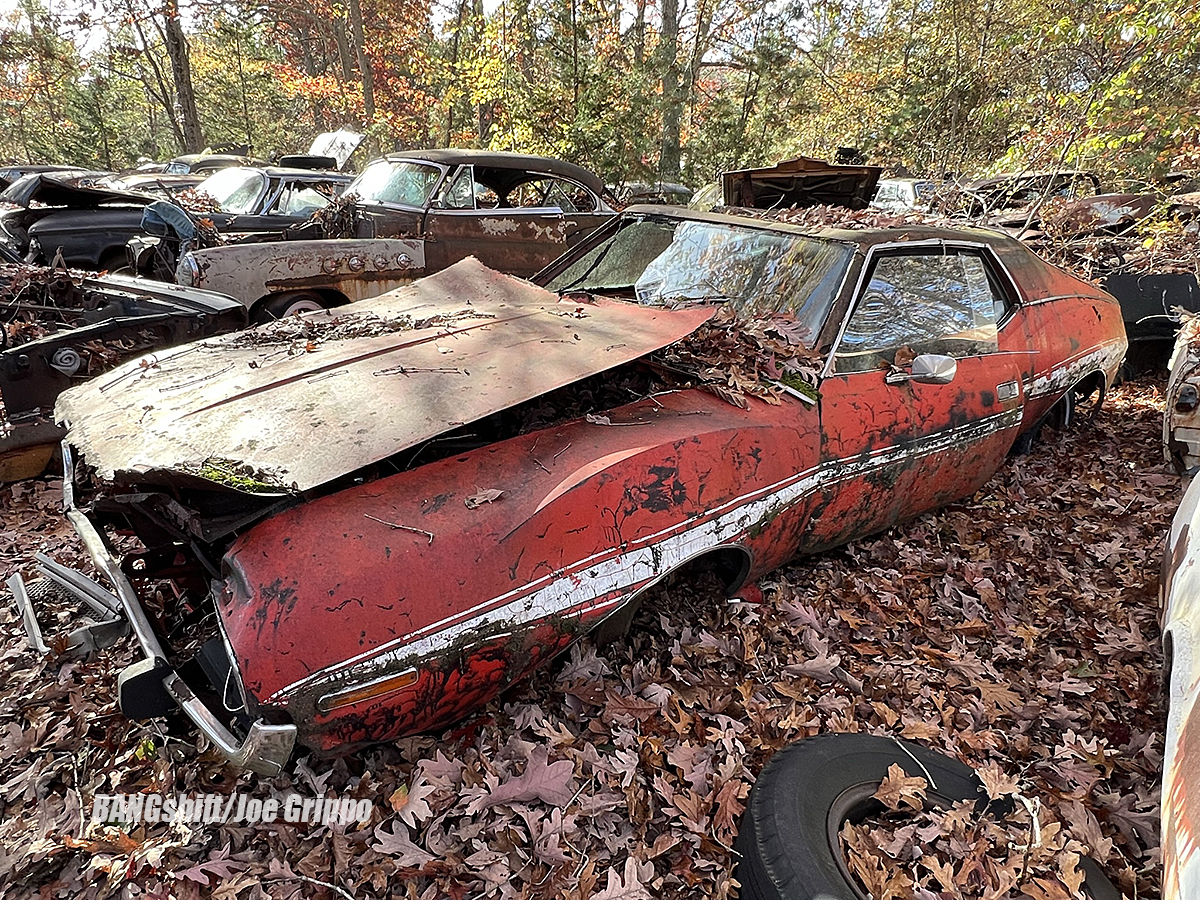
(372, 690)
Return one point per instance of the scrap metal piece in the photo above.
(104, 602)
(88, 640)
(33, 632)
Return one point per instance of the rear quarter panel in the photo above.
(1065, 328)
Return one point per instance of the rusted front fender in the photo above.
(354, 269)
(409, 595)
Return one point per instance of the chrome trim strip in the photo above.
(33, 632)
(610, 571)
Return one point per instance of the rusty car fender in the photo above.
(1180, 595)
(450, 620)
(343, 270)
(1181, 417)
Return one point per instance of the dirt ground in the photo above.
(1016, 630)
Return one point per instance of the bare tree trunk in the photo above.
(672, 95)
(639, 33)
(575, 55)
(181, 70)
(163, 94)
(364, 62)
(343, 47)
(454, 51)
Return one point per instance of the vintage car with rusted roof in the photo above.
(387, 513)
(413, 213)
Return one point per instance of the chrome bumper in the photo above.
(267, 747)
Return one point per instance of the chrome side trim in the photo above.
(33, 633)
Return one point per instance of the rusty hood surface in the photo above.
(299, 402)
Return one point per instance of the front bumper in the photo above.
(266, 748)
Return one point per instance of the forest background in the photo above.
(634, 89)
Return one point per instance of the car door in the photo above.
(892, 447)
(519, 233)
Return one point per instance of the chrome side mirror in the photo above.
(928, 368)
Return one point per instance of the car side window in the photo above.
(299, 200)
(940, 301)
(548, 192)
(460, 193)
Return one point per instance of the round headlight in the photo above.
(188, 270)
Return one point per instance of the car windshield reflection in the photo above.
(662, 262)
(235, 190)
(405, 183)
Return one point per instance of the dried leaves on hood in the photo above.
(1015, 630)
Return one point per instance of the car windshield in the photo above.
(759, 272)
(405, 182)
(235, 190)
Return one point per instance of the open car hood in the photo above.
(804, 181)
(339, 144)
(300, 402)
(54, 191)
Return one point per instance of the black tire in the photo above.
(112, 259)
(279, 306)
(1059, 417)
(788, 843)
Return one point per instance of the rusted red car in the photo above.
(397, 508)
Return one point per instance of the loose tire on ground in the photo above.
(788, 844)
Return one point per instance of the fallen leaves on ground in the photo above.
(1015, 630)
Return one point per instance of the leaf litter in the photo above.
(1016, 630)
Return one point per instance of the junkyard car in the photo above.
(251, 201)
(1013, 201)
(207, 163)
(398, 508)
(89, 225)
(800, 181)
(903, 194)
(415, 213)
(92, 226)
(1181, 419)
(665, 193)
(1180, 590)
(82, 327)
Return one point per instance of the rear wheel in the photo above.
(292, 303)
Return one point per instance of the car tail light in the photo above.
(1188, 399)
(372, 690)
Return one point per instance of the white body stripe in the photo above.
(1066, 375)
